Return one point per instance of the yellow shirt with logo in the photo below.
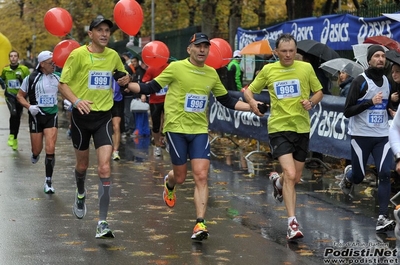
(186, 100)
(287, 86)
(89, 75)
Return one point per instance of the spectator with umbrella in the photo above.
(347, 70)
(344, 81)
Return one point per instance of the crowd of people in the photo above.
(98, 86)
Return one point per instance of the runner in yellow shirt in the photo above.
(86, 81)
(294, 89)
(189, 82)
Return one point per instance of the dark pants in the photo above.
(15, 113)
(379, 148)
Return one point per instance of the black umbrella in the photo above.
(317, 49)
(393, 56)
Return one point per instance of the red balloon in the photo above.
(128, 15)
(214, 58)
(155, 53)
(58, 21)
(224, 48)
(62, 51)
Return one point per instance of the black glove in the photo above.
(117, 75)
(263, 107)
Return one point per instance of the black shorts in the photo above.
(97, 124)
(40, 122)
(118, 109)
(282, 143)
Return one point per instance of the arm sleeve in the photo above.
(227, 101)
(149, 88)
(352, 107)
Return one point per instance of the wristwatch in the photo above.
(313, 106)
(397, 157)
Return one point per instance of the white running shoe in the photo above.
(277, 193)
(48, 189)
(103, 231)
(345, 185)
(79, 207)
(384, 224)
(293, 231)
(115, 155)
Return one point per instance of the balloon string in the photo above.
(70, 37)
(168, 58)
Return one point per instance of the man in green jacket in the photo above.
(235, 73)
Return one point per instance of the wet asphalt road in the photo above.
(246, 225)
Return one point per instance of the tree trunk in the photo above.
(327, 9)
(208, 23)
(260, 12)
(290, 9)
(356, 4)
(299, 9)
(21, 5)
(192, 7)
(235, 18)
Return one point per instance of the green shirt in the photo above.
(238, 73)
(287, 86)
(187, 97)
(13, 78)
(89, 75)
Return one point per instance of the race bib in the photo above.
(195, 103)
(287, 88)
(47, 100)
(14, 83)
(162, 92)
(376, 118)
(100, 80)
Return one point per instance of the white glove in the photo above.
(34, 110)
(67, 104)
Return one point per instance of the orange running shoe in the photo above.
(200, 231)
(169, 195)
